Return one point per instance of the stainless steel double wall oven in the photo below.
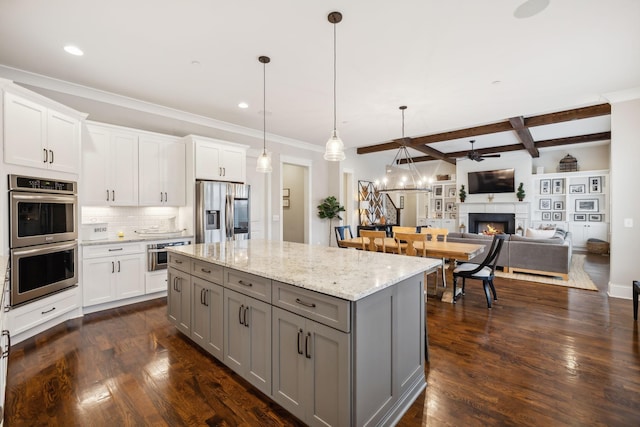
(43, 223)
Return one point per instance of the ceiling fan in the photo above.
(474, 155)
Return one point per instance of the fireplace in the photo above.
(498, 222)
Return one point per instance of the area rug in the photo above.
(578, 278)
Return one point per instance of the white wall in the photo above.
(625, 203)
(293, 178)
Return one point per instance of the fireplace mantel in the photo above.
(520, 209)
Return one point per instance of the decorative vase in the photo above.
(383, 220)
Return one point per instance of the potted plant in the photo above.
(330, 208)
(520, 193)
(462, 194)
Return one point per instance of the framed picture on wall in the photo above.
(558, 186)
(577, 189)
(438, 190)
(546, 216)
(545, 204)
(595, 184)
(595, 217)
(580, 217)
(557, 216)
(558, 205)
(587, 205)
(438, 205)
(545, 186)
(285, 203)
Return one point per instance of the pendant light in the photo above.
(264, 160)
(334, 150)
(401, 174)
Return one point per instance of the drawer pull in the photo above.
(177, 261)
(47, 311)
(242, 282)
(307, 339)
(205, 271)
(240, 314)
(115, 249)
(246, 323)
(306, 304)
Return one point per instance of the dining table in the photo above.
(454, 251)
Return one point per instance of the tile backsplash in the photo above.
(129, 219)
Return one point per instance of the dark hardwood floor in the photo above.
(543, 356)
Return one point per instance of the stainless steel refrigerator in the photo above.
(222, 211)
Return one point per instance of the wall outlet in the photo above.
(628, 222)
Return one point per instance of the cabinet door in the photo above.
(208, 161)
(95, 167)
(174, 174)
(258, 352)
(207, 316)
(215, 303)
(150, 174)
(234, 330)
(327, 375)
(289, 389)
(179, 300)
(130, 276)
(98, 281)
(24, 132)
(199, 312)
(233, 164)
(123, 159)
(63, 142)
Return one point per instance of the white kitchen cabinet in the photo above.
(110, 167)
(39, 136)
(112, 272)
(449, 224)
(219, 161)
(161, 174)
(247, 338)
(581, 232)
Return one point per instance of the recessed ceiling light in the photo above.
(243, 105)
(530, 8)
(195, 63)
(496, 82)
(73, 50)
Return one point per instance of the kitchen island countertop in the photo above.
(349, 274)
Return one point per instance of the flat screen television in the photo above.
(498, 181)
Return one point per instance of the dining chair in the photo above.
(407, 241)
(436, 234)
(636, 295)
(342, 232)
(401, 229)
(369, 238)
(484, 271)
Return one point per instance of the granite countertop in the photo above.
(134, 239)
(344, 273)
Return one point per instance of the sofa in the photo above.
(537, 253)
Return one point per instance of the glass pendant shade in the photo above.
(264, 163)
(334, 151)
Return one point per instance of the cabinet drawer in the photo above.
(325, 309)
(179, 262)
(37, 312)
(98, 251)
(248, 284)
(207, 271)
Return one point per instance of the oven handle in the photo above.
(48, 197)
(155, 251)
(45, 249)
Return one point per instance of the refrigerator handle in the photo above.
(228, 219)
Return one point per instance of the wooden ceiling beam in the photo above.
(580, 139)
(379, 147)
(524, 135)
(568, 115)
(462, 133)
(433, 153)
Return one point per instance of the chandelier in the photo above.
(402, 175)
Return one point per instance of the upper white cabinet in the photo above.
(110, 167)
(40, 136)
(161, 173)
(219, 161)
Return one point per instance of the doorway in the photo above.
(295, 201)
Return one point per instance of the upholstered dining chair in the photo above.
(342, 232)
(369, 238)
(484, 271)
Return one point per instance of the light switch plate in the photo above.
(628, 222)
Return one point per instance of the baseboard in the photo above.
(620, 291)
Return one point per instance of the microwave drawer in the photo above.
(248, 284)
(207, 271)
(325, 309)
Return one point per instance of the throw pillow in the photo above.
(540, 234)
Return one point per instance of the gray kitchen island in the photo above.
(335, 336)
